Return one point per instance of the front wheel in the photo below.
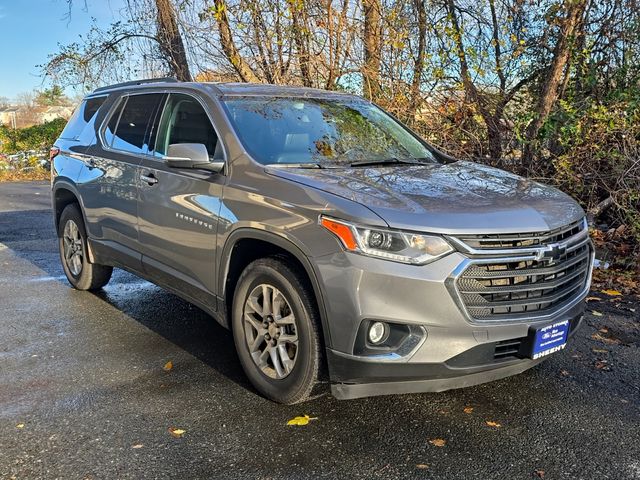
(275, 329)
(72, 242)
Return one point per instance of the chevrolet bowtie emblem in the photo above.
(552, 253)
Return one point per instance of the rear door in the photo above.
(178, 208)
(109, 183)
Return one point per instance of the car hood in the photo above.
(458, 197)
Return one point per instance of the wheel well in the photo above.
(62, 198)
(247, 250)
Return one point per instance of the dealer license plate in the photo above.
(549, 339)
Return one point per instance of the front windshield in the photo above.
(320, 131)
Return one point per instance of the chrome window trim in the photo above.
(125, 96)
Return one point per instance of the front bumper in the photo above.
(456, 351)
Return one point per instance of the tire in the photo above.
(291, 300)
(82, 274)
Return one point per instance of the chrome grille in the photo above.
(533, 276)
(523, 240)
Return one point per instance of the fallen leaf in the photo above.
(137, 445)
(602, 365)
(438, 442)
(599, 350)
(592, 299)
(493, 424)
(604, 330)
(422, 466)
(304, 420)
(468, 409)
(20, 425)
(177, 432)
(609, 341)
(168, 366)
(596, 313)
(539, 473)
(564, 373)
(612, 293)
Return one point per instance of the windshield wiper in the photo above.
(386, 161)
(297, 165)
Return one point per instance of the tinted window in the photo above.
(110, 130)
(185, 121)
(131, 129)
(312, 130)
(83, 118)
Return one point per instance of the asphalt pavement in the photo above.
(84, 395)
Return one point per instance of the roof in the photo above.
(226, 88)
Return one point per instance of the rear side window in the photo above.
(81, 124)
(128, 127)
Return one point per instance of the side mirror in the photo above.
(191, 155)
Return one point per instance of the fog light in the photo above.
(377, 332)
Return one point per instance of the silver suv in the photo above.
(333, 241)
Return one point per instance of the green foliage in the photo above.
(37, 137)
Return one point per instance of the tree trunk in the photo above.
(242, 68)
(418, 66)
(372, 40)
(491, 120)
(170, 41)
(301, 39)
(549, 93)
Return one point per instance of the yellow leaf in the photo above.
(599, 350)
(304, 420)
(493, 424)
(596, 313)
(168, 366)
(612, 293)
(592, 299)
(137, 445)
(468, 409)
(177, 432)
(20, 425)
(438, 442)
(422, 466)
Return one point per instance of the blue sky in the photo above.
(31, 29)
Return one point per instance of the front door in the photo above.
(178, 208)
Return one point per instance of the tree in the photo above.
(51, 96)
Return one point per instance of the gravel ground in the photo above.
(83, 392)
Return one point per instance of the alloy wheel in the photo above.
(270, 331)
(73, 249)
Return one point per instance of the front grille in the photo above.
(523, 240)
(500, 289)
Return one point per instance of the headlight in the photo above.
(405, 247)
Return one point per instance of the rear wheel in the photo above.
(72, 242)
(275, 329)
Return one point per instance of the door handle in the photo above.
(149, 179)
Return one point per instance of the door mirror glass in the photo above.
(191, 155)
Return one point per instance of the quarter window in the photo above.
(82, 121)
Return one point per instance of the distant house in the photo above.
(9, 116)
(16, 116)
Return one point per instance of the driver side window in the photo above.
(184, 120)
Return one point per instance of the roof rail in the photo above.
(136, 82)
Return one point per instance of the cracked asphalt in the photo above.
(83, 392)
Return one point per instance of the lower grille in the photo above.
(508, 348)
(498, 289)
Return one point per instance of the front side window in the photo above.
(184, 120)
(320, 130)
(128, 127)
